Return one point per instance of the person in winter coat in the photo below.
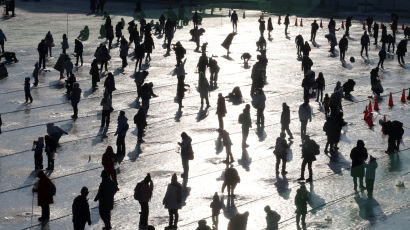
(3, 71)
(105, 197)
(100, 6)
(140, 119)
(299, 44)
(258, 102)
(227, 143)
(306, 49)
(221, 110)
(102, 56)
(64, 44)
(1, 123)
(202, 225)
(234, 20)
(375, 32)
(313, 31)
(179, 52)
(281, 148)
(348, 24)
(50, 149)
(95, 73)
(122, 129)
(320, 86)
(238, 222)
(139, 55)
(301, 200)
(55, 132)
(42, 52)
(382, 57)
(124, 52)
(186, 153)
(78, 50)
(143, 192)
(38, 153)
(369, 22)
(60, 65)
(68, 65)
(335, 102)
(81, 210)
(401, 51)
(45, 192)
(270, 27)
(348, 87)
(359, 156)
(203, 89)
(118, 31)
(214, 70)
(245, 120)
(370, 176)
(169, 35)
(180, 72)
(110, 36)
(309, 151)
(331, 38)
(173, 201)
(93, 6)
(216, 206)
(272, 219)
(305, 115)
(395, 131)
(109, 84)
(375, 82)
(343, 46)
(108, 161)
(2, 39)
(27, 92)
(326, 104)
(139, 81)
(262, 26)
(146, 94)
(287, 22)
(75, 99)
(365, 42)
(107, 109)
(332, 128)
(35, 74)
(285, 120)
(49, 41)
(148, 45)
(231, 179)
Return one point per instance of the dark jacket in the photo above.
(309, 150)
(358, 155)
(285, 116)
(109, 84)
(281, 147)
(394, 129)
(81, 210)
(105, 194)
(78, 47)
(44, 196)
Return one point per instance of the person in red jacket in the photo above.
(221, 110)
(45, 192)
(108, 161)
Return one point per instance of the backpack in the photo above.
(137, 191)
(240, 118)
(191, 152)
(52, 189)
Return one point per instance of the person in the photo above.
(375, 32)
(122, 129)
(42, 52)
(100, 6)
(3, 38)
(227, 143)
(75, 99)
(326, 104)
(107, 109)
(375, 82)
(118, 31)
(306, 49)
(95, 73)
(234, 20)
(3, 71)
(272, 218)
(202, 225)
(221, 110)
(60, 65)
(348, 24)
(81, 210)
(148, 46)
(238, 222)
(143, 193)
(35, 73)
(49, 42)
(365, 42)
(305, 115)
(1, 123)
(203, 89)
(196, 37)
(179, 52)
(395, 131)
(261, 44)
(299, 44)
(92, 6)
(246, 57)
(359, 156)
(102, 56)
(231, 179)
(187, 153)
(407, 33)
(235, 96)
(309, 151)
(108, 160)
(313, 31)
(10, 6)
(110, 35)
(370, 176)
(140, 119)
(105, 198)
(245, 120)
(38, 153)
(281, 148)
(216, 206)
(180, 72)
(262, 26)
(109, 84)
(384, 37)
(50, 149)
(307, 64)
(270, 27)
(301, 199)
(173, 201)
(139, 55)
(68, 65)
(64, 44)
(287, 22)
(146, 94)
(382, 57)
(285, 120)
(169, 35)
(331, 38)
(124, 52)
(45, 191)
(343, 46)
(348, 87)
(78, 50)
(332, 129)
(258, 101)
(401, 51)
(55, 132)
(320, 86)
(27, 92)
(214, 70)
(369, 22)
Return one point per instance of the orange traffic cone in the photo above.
(343, 25)
(391, 101)
(301, 22)
(376, 104)
(402, 26)
(370, 120)
(403, 96)
(243, 15)
(364, 26)
(296, 22)
(321, 25)
(370, 107)
(366, 112)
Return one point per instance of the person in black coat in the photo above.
(1, 123)
(110, 36)
(309, 151)
(50, 149)
(359, 156)
(375, 32)
(382, 57)
(299, 44)
(92, 6)
(78, 50)
(105, 196)
(95, 73)
(10, 6)
(395, 131)
(313, 31)
(320, 86)
(81, 210)
(343, 46)
(280, 152)
(27, 90)
(140, 119)
(365, 42)
(109, 84)
(332, 129)
(348, 87)
(42, 52)
(369, 22)
(139, 55)
(285, 120)
(401, 51)
(118, 31)
(384, 37)
(179, 52)
(287, 22)
(146, 94)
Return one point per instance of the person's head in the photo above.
(234, 11)
(76, 85)
(84, 191)
(147, 178)
(372, 158)
(184, 135)
(109, 149)
(306, 101)
(220, 95)
(174, 178)
(320, 75)
(282, 135)
(64, 36)
(202, 223)
(314, 21)
(247, 107)
(110, 75)
(267, 208)
(365, 32)
(40, 140)
(326, 95)
(122, 113)
(338, 84)
(360, 143)
(27, 79)
(215, 197)
(284, 105)
(36, 64)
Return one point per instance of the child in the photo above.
(38, 153)
(370, 176)
(216, 206)
(27, 90)
(326, 104)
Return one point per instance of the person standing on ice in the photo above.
(320, 86)
(75, 99)
(376, 84)
(375, 32)
(216, 206)
(105, 197)
(49, 42)
(370, 176)
(81, 210)
(262, 26)
(139, 55)
(35, 74)
(124, 53)
(313, 31)
(143, 193)
(109, 84)
(38, 153)
(78, 50)
(102, 56)
(118, 31)
(179, 52)
(285, 120)
(221, 110)
(122, 129)
(95, 73)
(234, 20)
(100, 6)
(401, 51)
(227, 143)
(187, 154)
(309, 151)
(110, 35)
(281, 149)
(287, 22)
(203, 89)
(2, 39)
(93, 6)
(359, 156)
(231, 179)
(301, 200)
(227, 42)
(107, 109)
(382, 57)
(343, 46)
(55, 132)
(270, 27)
(140, 119)
(305, 115)
(42, 52)
(45, 191)
(50, 149)
(27, 92)
(148, 46)
(245, 120)
(108, 161)
(365, 42)
(299, 45)
(173, 201)
(272, 219)
(258, 102)
(64, 44)
(146, 94)
(1, 123)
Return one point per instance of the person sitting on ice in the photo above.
(84, 34)
(245, 57)
(261, 44)
(348, 87)
(235, 96)
(9, 56)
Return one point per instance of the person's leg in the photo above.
(221, 122)
(46, 213)
(185, 166)
(355, 183)
(284, 165)
(303, 219)
(367, 47)
(2, 46)
(310, 170)
(361, 182)
(361, 51)
(77, 57)
(297, 219)
(245, 134)
(369, 188)
(277, 164)
(302, 171)
(144, 214)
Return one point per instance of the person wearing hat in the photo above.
(105, 197)
(81, 210)
(370, 176)
(45, 192)
(359, 156)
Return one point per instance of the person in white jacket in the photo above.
(305, 115)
